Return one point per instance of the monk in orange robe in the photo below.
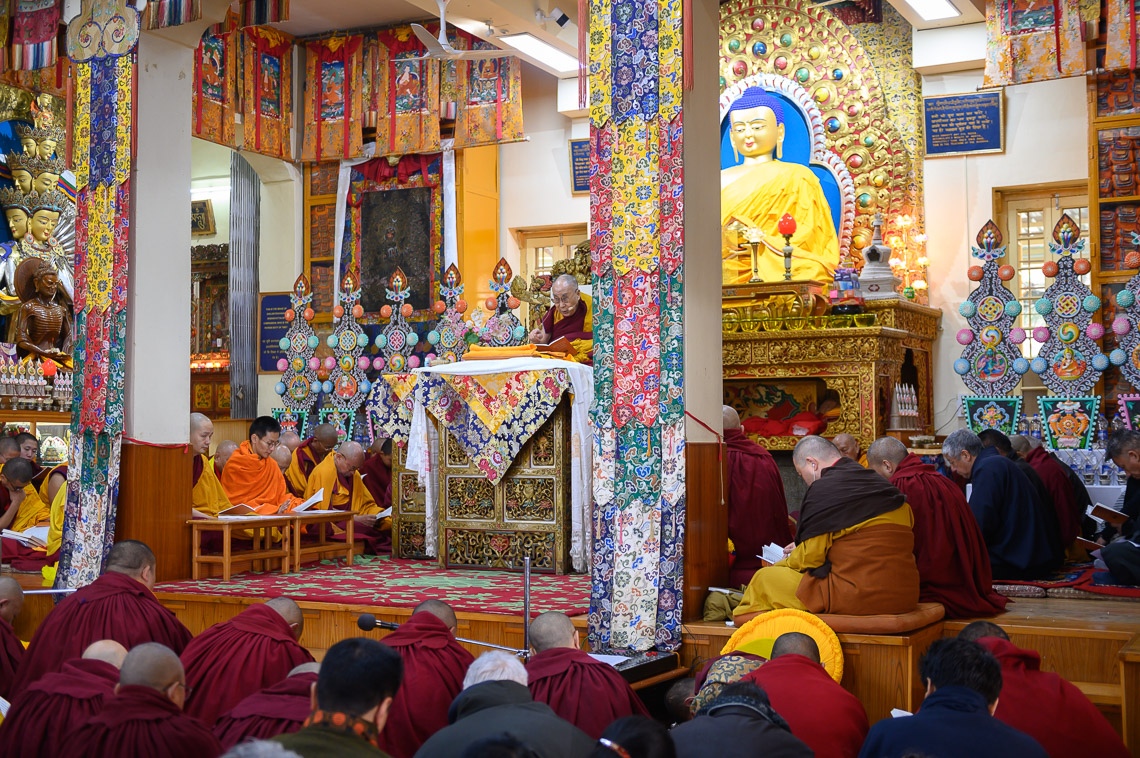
(588, 693)
(307, 455)
(252, 477)
(254, 649)
(11, 649)
(339, 476)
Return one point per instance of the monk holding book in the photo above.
(571, 317)
(251, 476)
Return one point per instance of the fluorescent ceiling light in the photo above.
(543, 52)
(934, 10)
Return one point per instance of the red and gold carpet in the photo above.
(384, 581)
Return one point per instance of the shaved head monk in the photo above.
(9, 449)
(208, 497)
(854, 550)
(252, 477)
(308, 454)
(953, 564)
(820, 712)
(20, 499)
(848, 447)
(589, 694)
(11, 648)
(1045, 706)
(37, 723)
(339, 476)
(290, 441)
(571, 316)
(144, 716)
(757, 510)
(282, 457)
(253, 650)
(119, 605)
(434, 667)
(377, 472)
(226, 449)
(279, 709)
(29, 446)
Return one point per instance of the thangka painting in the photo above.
(490, 103)
(1068, 422)
(407, 94)
(215, 84)
(1033, 40)
(291, 421)
(333, 99)
(268, 112)
(1129, 410)
(1001, 413)
(395, 220)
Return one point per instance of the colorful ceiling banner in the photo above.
(489, 100)
(407, 95)
(333, 99)
(268, 92)
(1029, 42)
(215, 84)
(35, 28)
(160, 14)
(261, 12)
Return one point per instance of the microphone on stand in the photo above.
(368, 623)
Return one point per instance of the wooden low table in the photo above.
(259, 525)
(323, 547)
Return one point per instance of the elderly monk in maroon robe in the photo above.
(757, 510)
(589, 694)
(144, 717)
(820, 712)
(571, 315)
(280, 709)
(1052, 473)
(53, 706)
(953, 563)
(11, 648)
(377, 472)
(434, 666)
(119, 606)
(1040, 703)
(254, 649)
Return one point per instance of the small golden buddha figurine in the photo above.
(44, 322)
(40, 242)
(755, 194)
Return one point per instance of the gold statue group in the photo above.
(37, 281)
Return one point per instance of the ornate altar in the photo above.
(409, 532)
(858, 359)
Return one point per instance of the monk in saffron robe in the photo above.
(11, 648)
(254, 649)
(434, 666)
(571, 315)
(339, 476)
(1040, 703)
(757, 510)
(252, 477)
(307, 455)
(21, 500)
(222, 455)
(820, 712)
(53, 706)
(208, 497)
(589, 694)
(848, 447)
(854, 551)
(1056, 480)
(119, 606)
(31, 558)
(953, 564)
(280, 709)
(144, 717)
(377, 472)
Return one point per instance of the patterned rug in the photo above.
(1080, 580)
(384, 581)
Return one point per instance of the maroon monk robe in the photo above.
(199, 466)
(572, 328)
(54, 706)
(589, 694)
(140, 721)
(434, 667)
(11, 653)
(757, 510)
(275, 710)
(1064, 501)
(113, 607)
(237, 658)
(820, 712)
(378, 480)
(1048, 708)
(953, 563)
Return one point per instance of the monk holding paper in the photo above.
(252, 477)
(571, 316)
(308, 455)
(339, 476)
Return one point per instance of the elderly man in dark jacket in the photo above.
(739, 723)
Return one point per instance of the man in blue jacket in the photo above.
(1022, 537)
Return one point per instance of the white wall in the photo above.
(534, 176)
(210, 180)
(1046, 138)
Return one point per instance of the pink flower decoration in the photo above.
(1120, 326)
(1017, 335)
(965, 336)
(1041, 334)
(1095, 330)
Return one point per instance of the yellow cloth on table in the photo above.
(208, 496)
(484, 353)
(33, 511)
(337, 497)
(775, 586)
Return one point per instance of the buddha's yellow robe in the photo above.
(208, 496)
(775, 586)
(33, 511)
(758, 196)
(338, 497)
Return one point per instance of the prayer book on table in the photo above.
(241, 509)
(28, 538)
(1103, 513)
(771, 553)
(560, 345)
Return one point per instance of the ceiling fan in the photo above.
(439, 48)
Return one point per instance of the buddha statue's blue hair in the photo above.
(757, 97)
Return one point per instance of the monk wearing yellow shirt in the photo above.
(252, 477)
(339, 476)
(24, 507)
(306, 455)
(854, 549)
(208, 497)
(571, 315)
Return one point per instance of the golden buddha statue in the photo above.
(40, 141)
(44, 323)
(23, 166)
(756, 193)
(16, 211)
(40, 242)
